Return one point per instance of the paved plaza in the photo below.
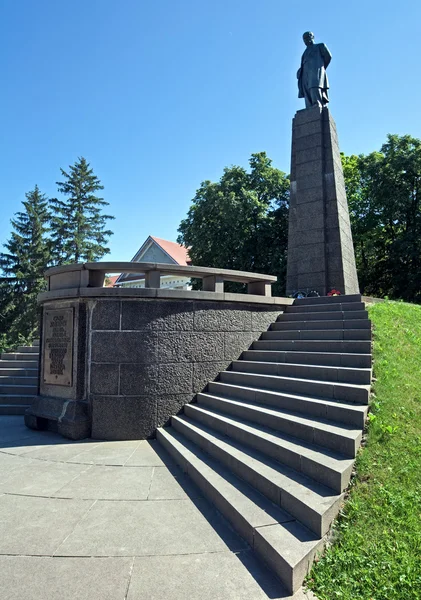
(113, 520)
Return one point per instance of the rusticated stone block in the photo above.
(169, 405)
(157, 315)
(106, 315)
(260, 320)
(139, 379)
(215, 318)
(175, 378)
(104, 378)
(123, 418)
(204, 372)
(124, 347)
(236, 343)
(189, 347)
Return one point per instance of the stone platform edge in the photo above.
(114, 293)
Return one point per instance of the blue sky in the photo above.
(160, 95)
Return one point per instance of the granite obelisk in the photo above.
(320, 249)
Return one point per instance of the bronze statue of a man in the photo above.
(312, 78)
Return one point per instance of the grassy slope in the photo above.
(377, 553)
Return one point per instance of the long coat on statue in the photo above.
(312, 73)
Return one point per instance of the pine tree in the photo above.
(77, 225)
(22, 266)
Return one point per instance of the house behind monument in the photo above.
(157, 250)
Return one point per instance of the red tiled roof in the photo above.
(177, 252)
(110, 280)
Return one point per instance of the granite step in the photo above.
(19, 372)
(17, 380)
(18, 389)
(13, 409)
(27, 349)
(327, 299)
(26, 356)
(324, 316)
(275, 536)
(332, 359)
(315, 372)
(311, 503)
(16, 399)
(353, 415)
(327, 467)
(329, 307)
(346, 347)
(345, 392)
(317, 334)
(339, 437)
(316, 325)
(19, 364)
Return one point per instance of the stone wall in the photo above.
(147, 358)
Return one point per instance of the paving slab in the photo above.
(122, 517)
(108, 483)
(60, 452)
(37, 526)
(217, 576)
(107, 453)
(147, 454)
(48, 578)
(166, 486)
(40, 478)
(150, 528)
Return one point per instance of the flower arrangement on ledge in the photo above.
(334, 293)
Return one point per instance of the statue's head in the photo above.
(308, 38)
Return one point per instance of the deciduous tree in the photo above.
(241, 221)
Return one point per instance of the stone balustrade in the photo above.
(88, 275)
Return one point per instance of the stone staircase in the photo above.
(272, 442)
(18, 379)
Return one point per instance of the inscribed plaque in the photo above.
(58, 346)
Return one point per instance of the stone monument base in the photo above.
(69, 418)
(116, 364)
(320, 249)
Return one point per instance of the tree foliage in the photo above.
(26, 257)
(77, 224)
(48, 232)
(241, 221)
(384, 195)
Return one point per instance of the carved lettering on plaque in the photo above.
(58, 346)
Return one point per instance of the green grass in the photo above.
(376, 554)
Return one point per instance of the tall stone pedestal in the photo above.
(320, 249)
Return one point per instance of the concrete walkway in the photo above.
(113, 520)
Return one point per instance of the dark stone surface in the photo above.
(169, 405)
(236, 343)
(139, 379)
(104, 378)
(124, 347)
(320, 250)
(190, 347)
(261, 319)
(203, 372)
(123, 418)
(212, 318)
(70, 418)
(157, 315)
(144, 371)
(106, 315)
(175, 378)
